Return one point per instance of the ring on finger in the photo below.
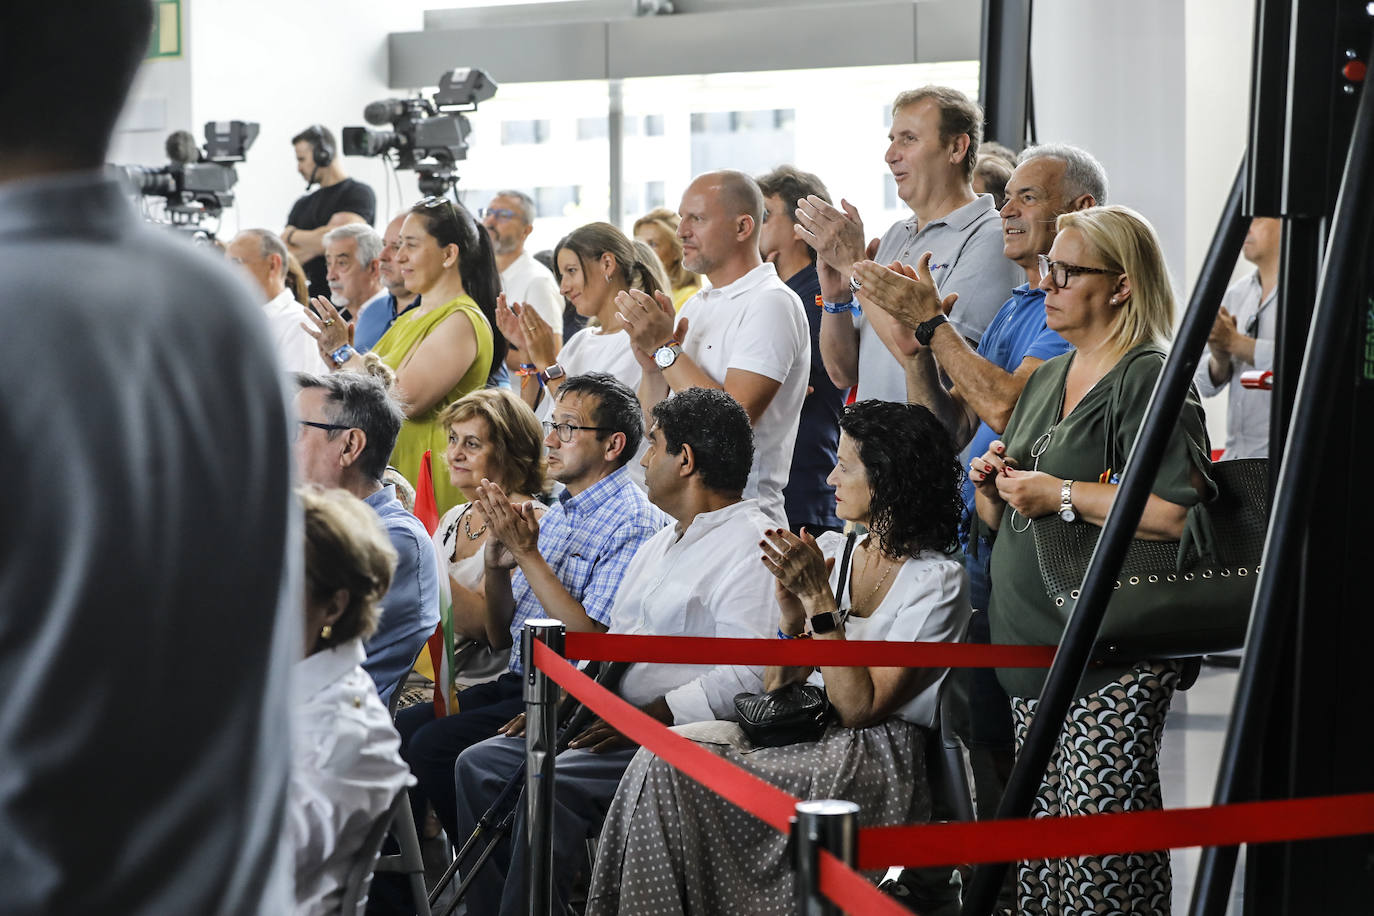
(328, 322)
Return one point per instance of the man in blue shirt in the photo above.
(985, 385)
(566, 565)
(808, 500)
(347, 429)
(374, 320)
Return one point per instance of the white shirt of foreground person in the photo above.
(757, 324)
(927, 602)
(296, 350)
(529, 282)
(346, 771)
(708, 582)
(1247, 411)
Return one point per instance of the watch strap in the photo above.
(342, 355)
(926, 329)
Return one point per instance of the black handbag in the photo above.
(1172, 599)
(793, 712)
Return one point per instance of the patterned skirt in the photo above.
(1106, 761)
(672, 846)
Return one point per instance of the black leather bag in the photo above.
(1172, 599)
(792, 713)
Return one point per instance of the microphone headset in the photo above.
(322, 150)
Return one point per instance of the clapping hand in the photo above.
(514, 528)
(650, 323)
(908, 293)
(327, 326)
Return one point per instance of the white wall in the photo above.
(1160, 94)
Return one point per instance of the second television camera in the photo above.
(429, 137)
(197, 183)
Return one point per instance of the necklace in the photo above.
(467, 527)
(855, 607)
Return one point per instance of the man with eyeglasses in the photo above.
(1243, 337)
(509, 219)
(346, 431)
(379, 316)
(567, 565)
(985, 384)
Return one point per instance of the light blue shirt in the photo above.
(588, 540)
(410, 609)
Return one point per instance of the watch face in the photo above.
(665, 357)
(1068, 514)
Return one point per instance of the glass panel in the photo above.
(548, 140)
(832, 122)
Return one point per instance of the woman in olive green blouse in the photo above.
(1108, 294)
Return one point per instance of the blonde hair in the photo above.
(1127, 243)
(668, 221)
(295, 280)
(516, 435)
(346, 548)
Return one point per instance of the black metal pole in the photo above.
(1303, 457)
(827, 824)
(1076, 646)
(541, 736)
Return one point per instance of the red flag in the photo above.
(426, 508)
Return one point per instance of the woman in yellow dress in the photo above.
(440, 349)
(658, 230)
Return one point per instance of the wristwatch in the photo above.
(667, 354)
(926, 329)
(554, 371)
(342, 355)
(827, 622)
(1066, 510)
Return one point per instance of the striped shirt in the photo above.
(588, 540)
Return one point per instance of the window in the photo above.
(592, 129)
(536, 131)
(653, 125)
(553, 201)
(751, 141)
(653, 195)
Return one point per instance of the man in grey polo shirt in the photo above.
(934, 148)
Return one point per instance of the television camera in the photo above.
(197, 183)
(428, 137)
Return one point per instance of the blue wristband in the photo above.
(342, 355)
(839, 308)
(782, 635)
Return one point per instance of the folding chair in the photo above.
(360, 875)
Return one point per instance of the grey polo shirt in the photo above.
(966, 248)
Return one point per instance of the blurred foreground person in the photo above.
(149, 562)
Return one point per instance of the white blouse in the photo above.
(474, 662)
(928, 602)
(346, 770)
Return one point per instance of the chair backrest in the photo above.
(360, 875)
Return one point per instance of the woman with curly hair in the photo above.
(672, 846)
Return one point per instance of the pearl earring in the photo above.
(326, 631)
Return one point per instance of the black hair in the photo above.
(451, 224)
(362, 402)
(39, 44)
(718, 430)
(914, 476)
(318, 136)
(617, 408)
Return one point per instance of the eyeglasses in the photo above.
(565, 430)
(325, 426)
(1059, 272)
(1038, 448)
(497, 213)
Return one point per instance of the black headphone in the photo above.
(321, 148)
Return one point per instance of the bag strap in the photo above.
(844, 568)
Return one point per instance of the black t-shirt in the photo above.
(315, 210)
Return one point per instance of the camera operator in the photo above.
(150, 529)
(339, 201)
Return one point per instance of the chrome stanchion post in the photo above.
(541, 726)
(826, 824)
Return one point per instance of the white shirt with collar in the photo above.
(529, 282)
(1247, 411)
(345, 772)
(757, 324)
(296, 350)
(708, 582)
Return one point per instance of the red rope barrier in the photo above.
(1108, 834)
(708, 650)
(746, 791)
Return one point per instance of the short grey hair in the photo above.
(524, 200)
(269, 243)
(1083, 174)
(369, 242)
(360, 402)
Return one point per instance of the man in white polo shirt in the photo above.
(932, 152)
(746, 334)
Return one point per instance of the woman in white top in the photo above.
(671, 846)
(594, 263)
(345, 769)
